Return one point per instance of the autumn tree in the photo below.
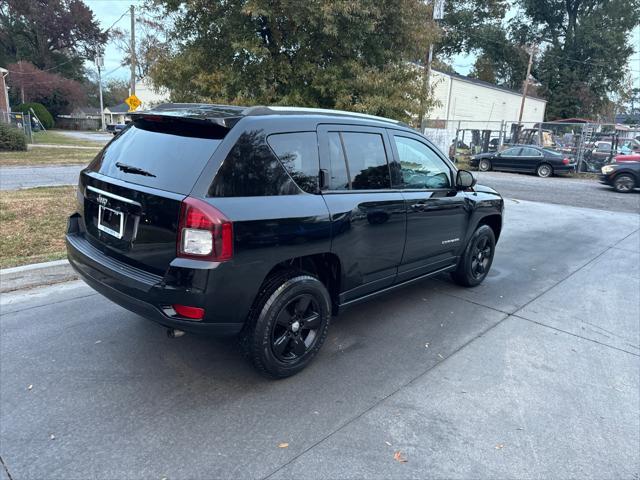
(30, 84)
(351, 55)
(51, 34)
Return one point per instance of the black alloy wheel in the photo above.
(295, 330)
(481, 256)
(477, 258)
(288, 324)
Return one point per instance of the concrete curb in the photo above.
(36, 275)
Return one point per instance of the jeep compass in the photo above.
(263, 222)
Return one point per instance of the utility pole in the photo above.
(133, 50)
(438, 14)
(525, 87)
(100, 64)
(21, 82)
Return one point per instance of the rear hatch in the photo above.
(130, 195)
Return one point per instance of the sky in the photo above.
(109, 11)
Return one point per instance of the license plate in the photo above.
(110, 221)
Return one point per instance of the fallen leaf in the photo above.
(426, 345)
(387, 443)
(398, 457)
(99, 341)
(283, 445)
(29, 387)
(519, 428)
(499, 446)
(52, 436)
(440, 356)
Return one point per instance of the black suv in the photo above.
(264, 222)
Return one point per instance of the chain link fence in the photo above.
(590, 145)
(22, 121)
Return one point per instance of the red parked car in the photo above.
(632, 157)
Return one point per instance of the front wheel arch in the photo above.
(621, 175)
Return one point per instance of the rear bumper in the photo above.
(136, 290)
(565, 168)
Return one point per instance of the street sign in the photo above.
(133, 102)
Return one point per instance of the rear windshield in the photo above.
(168, 155)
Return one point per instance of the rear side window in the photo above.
(251, 170)
(298, 153)
(168, 156)
(530, 152)
(337, 165)
(365, 161)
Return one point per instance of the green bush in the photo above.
(12, 138)
(41, 111)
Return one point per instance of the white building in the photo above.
(467, 105)
(471, 100)
(149, 95)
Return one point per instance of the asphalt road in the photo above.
(98, 137)
(15, 178)
(534, 374)
(562, 190)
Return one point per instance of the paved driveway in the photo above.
(14, 178)
(533, 374)
(99, 137)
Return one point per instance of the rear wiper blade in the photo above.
(135, 170)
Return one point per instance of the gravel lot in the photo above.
(563, 190)
(534, 374)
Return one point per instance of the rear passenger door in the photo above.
(368, 218)
(529, 159)
(437, 216)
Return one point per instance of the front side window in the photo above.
(420, 166)
(366, 158)
(298, 153)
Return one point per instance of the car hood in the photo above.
(484, 189)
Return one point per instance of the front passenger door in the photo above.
(437, 216)
(508, 159)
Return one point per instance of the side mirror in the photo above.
(464, 180)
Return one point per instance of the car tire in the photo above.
(475, 263)
(544, 170)
(484, 165)
(282, 335)
(624, 183)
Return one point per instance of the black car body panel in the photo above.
(613, 170)
(525, 158)
(370, 239)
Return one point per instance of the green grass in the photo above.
(32, 224)
(53, 137)
(48, 156)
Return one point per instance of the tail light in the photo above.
(566, 161)
(204, 232)
(192, 313)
